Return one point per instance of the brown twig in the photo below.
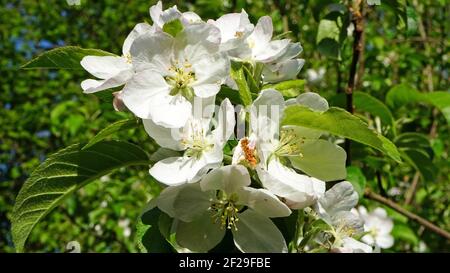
(412, 190)
(358, 23)
(427, 224)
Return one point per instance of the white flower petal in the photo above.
(178, 107)
(271, 51)
(269, 103)
(368, 239)
(321, 159)
(262, 34)
(234, 29)
(147, 96)
(105, 67)
(169, 15)
(191, 202)
(258, 234)
(384, 241)
(285, 71)
(92, 86)
(200, 235)
(165, 137)
(231, 83)
(225, 122)
(206, 34)
(114, 71)
(313, 101)
(362, 211)
(348, 220)
(229, 178)
(351, 245)
(155, 13)
(386, 226)
(282, 181)
(211, 72)
(212, 159)
(341, 197)
(265, 115)
(163, 153)
(160, 17)
(152, 51)
(190, 17)
(206, 90)
(380, 213)
(166, 200)
(263, 202)
(138, 30)
(292, 51)
(174, 171)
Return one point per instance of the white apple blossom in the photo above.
(259, 47)
(234, 29)
(334, 207)
(224, 200)
(315, 77)
(203, 147)
(270, 151)
(267, 149)
(161, 17)
(351, 245)
(378, 226)
(286, 67)
(171, 71)
(113, 71)
(245, 42)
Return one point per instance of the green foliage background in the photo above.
(43, 111)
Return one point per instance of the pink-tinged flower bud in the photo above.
(118, 104)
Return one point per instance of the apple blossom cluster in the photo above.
(227, 168)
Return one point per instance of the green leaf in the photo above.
(332, 32)
(118, 126)
(237, 73)
(440, 100)
(404, 94)
(405, 233)
(289, 89)
(62, 174)
(364, 102)
(253, 86)
(339, 122)
(367, 103)
(149, 238)
(322, 6)
(399, 9)
(228, 93)
(416, 149)
(321, 159)
(411, 21)
(357, 178)
(173, 28)
(67, 57)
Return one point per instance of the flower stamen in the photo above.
(249, 153)
(290, 144)
(180, 78)
(225, 211)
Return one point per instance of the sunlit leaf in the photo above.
(67, 57)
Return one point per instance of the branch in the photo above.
(427, 224)
(411, 192)
(357, 20)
